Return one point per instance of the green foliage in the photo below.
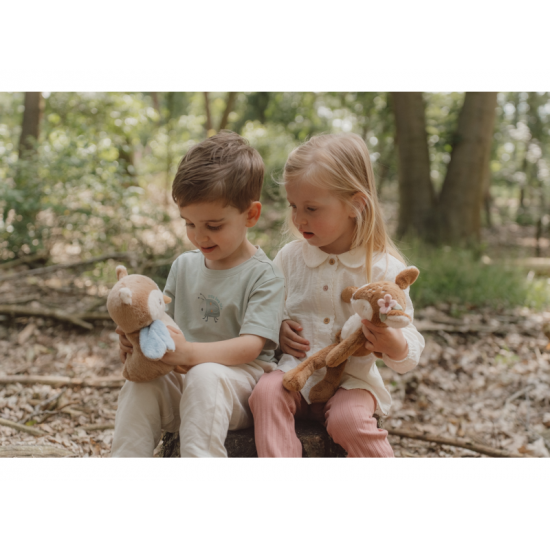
(463, 279)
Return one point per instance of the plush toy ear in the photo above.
(126, 296)
(347, 293)
(167, 299)
(121, 272)
(407, 277)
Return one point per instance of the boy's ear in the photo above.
(253, 214)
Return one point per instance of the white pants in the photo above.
(203, 404)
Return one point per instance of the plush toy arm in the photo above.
(295, 379)
(155, 340)
(346, 348)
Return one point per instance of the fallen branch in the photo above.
(55, 411)
(91, 427)
(482, 449)
(21, 428)
(67, 265)
(42, 312)
(24, 260)
(100, 382)
(428, 326)
(44, 406)
(39, 451)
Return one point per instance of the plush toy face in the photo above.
(383, 303)
(135, 301)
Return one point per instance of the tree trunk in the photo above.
(34, 107)
(416, 192)
(229, 102)
(462, 194)
(209, 126)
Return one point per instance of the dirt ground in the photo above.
(491, 388)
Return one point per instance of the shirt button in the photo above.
(326, 320)
(331, 261)
(325, 287)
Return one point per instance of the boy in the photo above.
(227, 298)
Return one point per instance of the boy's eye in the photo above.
(310, 209)
(292, 206)
(212, 228)
(189, 225)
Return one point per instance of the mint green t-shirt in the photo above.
(213, 305)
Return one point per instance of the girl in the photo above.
(330, 188)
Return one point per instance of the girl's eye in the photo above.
(189, 225)
(311, 209)
(292, 206)
(212, 228)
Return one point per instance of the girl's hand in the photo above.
(385, 340)
(124, 344)
(290, 342)
(182, 355)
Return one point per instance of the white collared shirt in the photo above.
(314, 281)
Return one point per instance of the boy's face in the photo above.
(219, 231)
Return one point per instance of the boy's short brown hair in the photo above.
(223, 167)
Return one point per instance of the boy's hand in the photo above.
(385, 340)
(291, 343)
(124, 344)
(182, 355)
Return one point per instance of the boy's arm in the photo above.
(243, 349)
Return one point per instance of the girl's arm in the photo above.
(394, 354)
(290, 341)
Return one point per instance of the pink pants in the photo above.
(347, 416)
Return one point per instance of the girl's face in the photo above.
(321, 217)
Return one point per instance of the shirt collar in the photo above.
(314, 256)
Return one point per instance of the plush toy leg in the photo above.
(326, 388)
(346, 348)
(295, 379)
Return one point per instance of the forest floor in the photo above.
(490, 388)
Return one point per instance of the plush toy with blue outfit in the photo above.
(136, 305)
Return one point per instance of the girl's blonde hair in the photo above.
(341, 164)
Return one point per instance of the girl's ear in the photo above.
(253, 214)
(359, 200)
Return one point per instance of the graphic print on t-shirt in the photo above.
(210, 307)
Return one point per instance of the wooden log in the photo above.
(541, 266)
(99, 382)
(37, 451)
(316, 443)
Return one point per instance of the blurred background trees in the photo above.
(82, 174)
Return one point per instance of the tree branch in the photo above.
(68, 265)
(465, 444)
(99, 382)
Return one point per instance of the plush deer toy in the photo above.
(383, 304)
(136, 305)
